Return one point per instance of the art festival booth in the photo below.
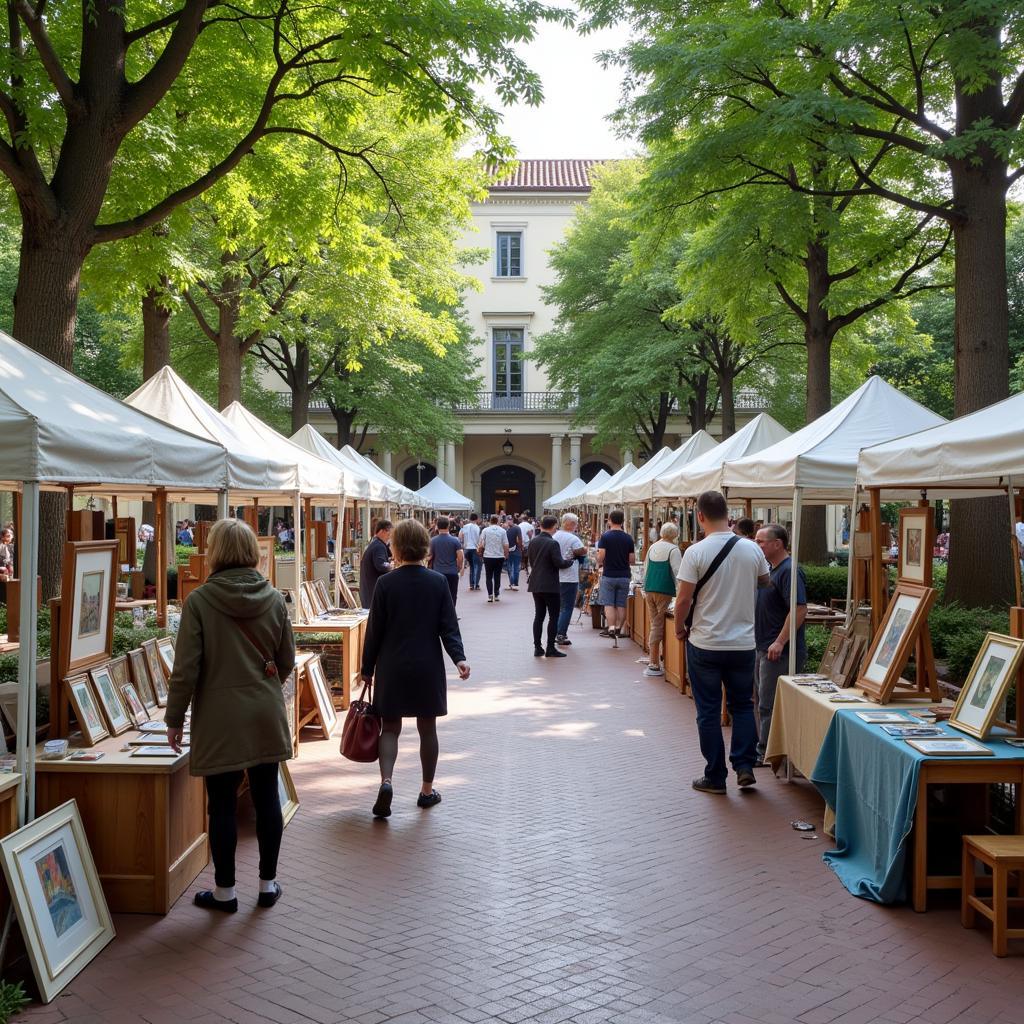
(444, 498)
(132, 827)
(571, 496)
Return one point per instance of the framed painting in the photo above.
(306, 609)
(991, 676)
(87, 710)
(88, 591)
(156, 671)
(321, 692)
(286, 791)
(165, 648)
(109, 700)
(917, 539)
(316, 600)
(347, 597)
(266, 565)
(893, 644)
(57, 895)
(289, 691)
(133, 702)
(325, 598)
(835, 642)
(119, 671)
(125, 534)
(139, 669)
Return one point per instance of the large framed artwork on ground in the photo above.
(992, 673)
(321, 692)
(58, 897)
(286, 791)
(88, 592)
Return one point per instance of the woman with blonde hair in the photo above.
(233, 652)
(411, 618)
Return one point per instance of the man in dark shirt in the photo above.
(446, 555)
(546, 561)
(515, 552)
(771, 626)
(375, 562)
(616, 553)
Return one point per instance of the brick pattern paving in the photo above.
(570, 874)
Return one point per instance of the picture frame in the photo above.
(165, 648)
(893, 643)
(157, 674)
(346, 593)
(306, 609)
(139, 669)
(287, 792)
(916, 543)
(119, 671)
(107, 694)
(125, 534)
(88, 590)
(289, 691)
(828, 659)
(266, 566)
(317, 605)
(134, 706)
(321, 693)
(322, 593)
(983, 694)
(86, 708)
(57, 895)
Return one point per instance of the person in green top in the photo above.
(660, 568)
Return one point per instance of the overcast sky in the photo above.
(578, 96)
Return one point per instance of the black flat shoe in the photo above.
(428, 801)
(538, 652)
(208, 901)
(382, 808)
(554, 652)
(268, 899)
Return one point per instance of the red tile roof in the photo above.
(548, 176)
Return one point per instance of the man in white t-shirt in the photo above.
(568, 579)
(718, 578)
(470, 537)
(493, 549)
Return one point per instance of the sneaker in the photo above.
(745, 779)
(538, 652)
(382, 808)
(490, 600)
(705, 785)
(652, 671)
(554, 652)
(496, 598)
(563, 641)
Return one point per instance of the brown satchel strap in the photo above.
(269, 665)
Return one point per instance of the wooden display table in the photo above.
(145, 819)
(128, 606)
(8, 646)
(351, 632)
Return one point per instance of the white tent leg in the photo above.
(1014, 547)
(28, 559)
(793, 571)
(222, 505)
(297, 534)
(337, 551)
(849, 559)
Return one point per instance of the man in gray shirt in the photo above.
(446, 555)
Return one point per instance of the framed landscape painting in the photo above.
(87, 710)
(917, 539)
(140, 677)
(894, 642)
(321, 695)
(88, 592)
(992, 674)
(109, 700)
(57, 895)
(266, 565)
(156, 671)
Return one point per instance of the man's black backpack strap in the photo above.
(711, 570)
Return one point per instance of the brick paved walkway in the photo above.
(570, 874)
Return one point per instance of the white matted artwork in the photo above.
(321, 695)
(894, 636)
(991, 675)
(87, 710)
(165, 648)
(57, 895)
(87, 603)
(915, 546)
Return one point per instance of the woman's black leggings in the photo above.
(222, 805)
(493, 567)
(391, 729)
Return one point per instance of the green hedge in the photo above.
(824, 582)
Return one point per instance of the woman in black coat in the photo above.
(411, 617)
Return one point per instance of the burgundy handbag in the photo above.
(360, 738)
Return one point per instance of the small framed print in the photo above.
(107, 693)
(266, 565)
(87, 609)
(156, 671)
(119, 671)
(325, 598)
(139, 669)
(136, 709)
(893, 644)
(991, 676)
(57, 895)
(86, 708)
(917, 539)
(165, 648)
(347, 597)
(321, 695)
(286, 792)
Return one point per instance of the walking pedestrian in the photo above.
(493, 549)
(569, 578)
(616, 554)
(515, 553)
(446, 556)
(470, 537)
(661, 566)
(376, 561)
(714, 615)
(545, 557)
(411, 619)
(234, 650)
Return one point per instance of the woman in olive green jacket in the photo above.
(234, 649)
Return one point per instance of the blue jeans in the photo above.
(708, 672)
(512, 564)
(476, 564)
(567, 592)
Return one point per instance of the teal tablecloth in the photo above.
(869, 779)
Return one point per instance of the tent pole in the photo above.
(337, 550)
(878, 586)
(222, 504)
(849, 558)
(25, 741)
(1014, 547)
(160, 522)
(794, 569)
(297, 534)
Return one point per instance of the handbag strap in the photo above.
(362, 698)
(711, 570)
(269, 665)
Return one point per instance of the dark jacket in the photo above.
(373, 565)
(411, 616)
(238, 714)
(545, 558)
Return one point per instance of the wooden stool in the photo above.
(1004, 855)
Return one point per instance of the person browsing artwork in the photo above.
(616, 554)
(376, 561)
(661, 566)
(568, 579)
(446, 556)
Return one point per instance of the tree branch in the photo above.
(200, 318)
(788, 299)
(48, 56)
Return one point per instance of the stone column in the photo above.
(387, 463)
(440, 459)
(449, 464)
(575, 460)
(556, 464)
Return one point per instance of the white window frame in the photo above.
(498, 227)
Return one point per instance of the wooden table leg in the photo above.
(967, 888)
(999, 909)
(920, 882)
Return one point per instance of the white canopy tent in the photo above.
(400, 494)
(642, 484)
(595, 493)
(570, 490)
(818, 464)
(60, 432)
(363, 489)
(444, 498)
(704, 473)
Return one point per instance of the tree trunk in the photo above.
(343, 420)
(156, 334)
(300, 388)
(698, 403)
(727, 396)
(977, 577)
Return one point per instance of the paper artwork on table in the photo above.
(880, 717)
(153, 750)
(987, 685)
(134, 704)
(954, 746)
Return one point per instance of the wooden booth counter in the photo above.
(145, 818)
(351, 632)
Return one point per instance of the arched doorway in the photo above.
(591, 469)
(508, 489)
(418, 474)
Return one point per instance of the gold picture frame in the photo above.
(157, 676)
(108, 695)
(134, 705)
(916, 543)
(266, 566)
(286, 791)
(992, 674)
(893, 644)
(87, 709)
(88, 589)
(139, 668)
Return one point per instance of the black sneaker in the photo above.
(554, 652)
(382, 808)
(563, 641)
(745, 779)
(538, 652)
(705, 785)
(268, 899)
